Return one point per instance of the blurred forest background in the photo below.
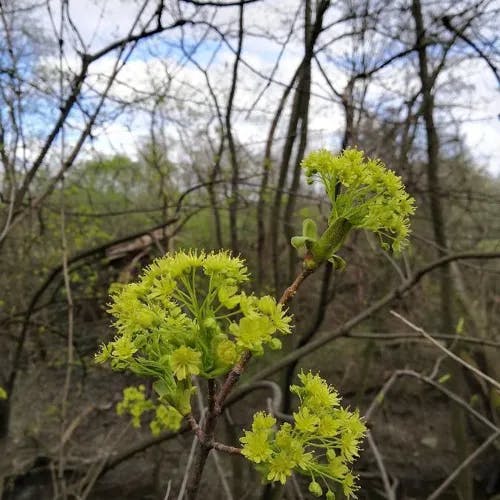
(132, 128)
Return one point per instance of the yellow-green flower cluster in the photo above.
(187, 315)
(364, 193)
(3, 393)
(135, 403)
(321, 444)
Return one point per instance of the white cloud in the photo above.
(100, 21)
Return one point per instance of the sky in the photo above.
(476, 104)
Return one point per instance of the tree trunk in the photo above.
(235, 171)
(299, 113)
(458, 423)
(4, 418)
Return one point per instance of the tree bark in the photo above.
(458, 423)
(299, 113)
(235, 171)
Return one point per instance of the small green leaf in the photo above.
(495, 398)
(338, 262)
(444, 378)
(298, 242)
(430, 441)
(474, 400)
(309, 229)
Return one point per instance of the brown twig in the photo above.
(290, 292)
(231, 379)
(196, 428)
(216, 403)
(238, 369)
(233, 450)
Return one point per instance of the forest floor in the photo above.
(412, 429)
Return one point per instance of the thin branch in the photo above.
(413, 336)
(290, 292)
(225, 448)
(460, 33)
(449, 480)
(440, 387)
(379, 398)
(218, 4)
(389, 491)
(344, 329)
(449, 353)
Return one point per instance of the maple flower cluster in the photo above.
(364, 194)
(187, 315)
(321, 444)
(136, 404)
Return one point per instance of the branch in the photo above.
(219, 4)
(290, 292)
(447, 24)
(140, 447)
(389, 492)
(449, 353)
(76, 88)
(225, 448)
(369, 311)
(413, 336)
(442, 487)
(134, 38)
(440, 387)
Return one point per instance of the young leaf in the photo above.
(309, 229)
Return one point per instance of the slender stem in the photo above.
(389, 491)
(233, 450)
(290, 292)
(216, 400)
(205, 443)
(196, 427)
(238, 369)
(231, 379)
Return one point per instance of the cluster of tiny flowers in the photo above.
(136, 404)
(187, 315)
(364, 193)
(321, 444)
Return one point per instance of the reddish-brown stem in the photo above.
(205, 433)
(225, 448)
(290, 292)
(231, 379)
(196, 428)
(202, 437)
(234, 375)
